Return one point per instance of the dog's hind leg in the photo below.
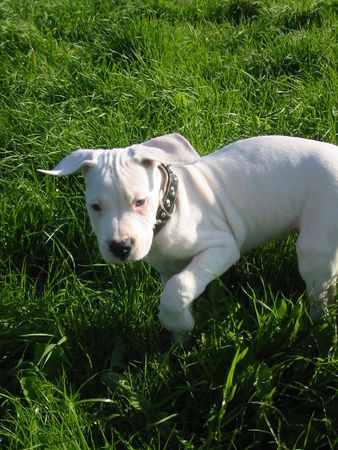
(317, 251)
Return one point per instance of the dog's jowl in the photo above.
(191, 218)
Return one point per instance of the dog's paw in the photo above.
(177, 321)
(175, 305)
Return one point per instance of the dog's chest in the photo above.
(164, 263)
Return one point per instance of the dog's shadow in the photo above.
(268, 273)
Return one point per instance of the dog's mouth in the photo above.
(111, 259)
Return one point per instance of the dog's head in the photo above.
(123, 191)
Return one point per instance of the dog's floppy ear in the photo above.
(167, 149)
(80, 159)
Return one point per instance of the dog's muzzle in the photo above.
(121, 249)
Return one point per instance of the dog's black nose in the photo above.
(121, 249)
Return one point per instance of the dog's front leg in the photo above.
(181, 289)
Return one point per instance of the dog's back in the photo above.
(269, 180)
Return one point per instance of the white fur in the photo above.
(229, 202)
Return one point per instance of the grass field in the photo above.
(84, 360)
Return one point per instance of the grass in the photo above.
(84, 361)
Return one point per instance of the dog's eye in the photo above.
(96, 207)
(140, 202)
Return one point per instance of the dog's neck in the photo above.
(167, 202)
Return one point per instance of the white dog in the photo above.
(192, 222)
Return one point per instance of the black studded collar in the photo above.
(168, 202)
